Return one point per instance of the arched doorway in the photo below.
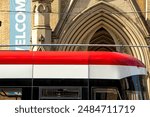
(105, 20)
(102, 36)
(99, 17)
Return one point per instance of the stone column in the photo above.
(41, 32)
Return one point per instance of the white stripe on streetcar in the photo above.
(70, 71)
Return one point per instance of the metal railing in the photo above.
(86, 45)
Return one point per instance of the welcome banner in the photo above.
(20, 24)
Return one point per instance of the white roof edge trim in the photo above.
(115, 71)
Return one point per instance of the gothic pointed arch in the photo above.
(41, 48)
(102, 36)
(104, 15)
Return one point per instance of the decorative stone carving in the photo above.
(148, 40)
(42, 6)
(43, 1)
(41, 32)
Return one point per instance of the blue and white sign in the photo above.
(20, 24)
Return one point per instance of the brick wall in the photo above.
(142, 5)
(55, 14)
(5, 14)
(148, 14)
(4, 17)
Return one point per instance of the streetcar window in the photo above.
(134, 95)
(60, 93)
(105, 94)
(135, 87)
(10, 93)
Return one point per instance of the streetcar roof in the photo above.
(68, 57)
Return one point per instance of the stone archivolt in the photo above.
(104, 15)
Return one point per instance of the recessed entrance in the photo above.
(102, 36)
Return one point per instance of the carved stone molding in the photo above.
(148, 40)
(42, 6)
(43, 1)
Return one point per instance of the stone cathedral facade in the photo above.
(115, 22)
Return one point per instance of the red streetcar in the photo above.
(71, 75)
